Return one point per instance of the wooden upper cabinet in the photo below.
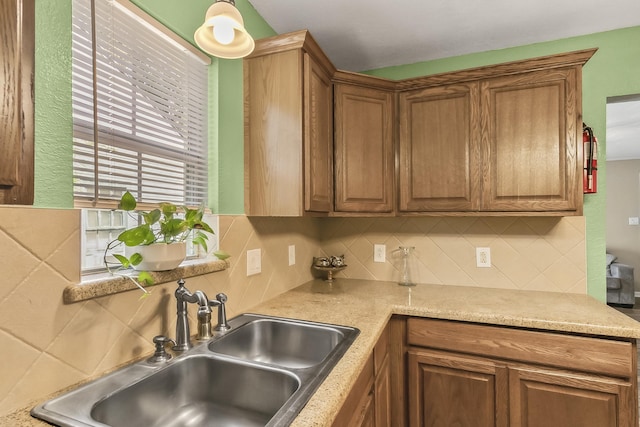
(495, 140)
(318, 147)
(288, 127)
(364, 153)
(439, 154)
(502, 139)
(17, 29)
(531, 124)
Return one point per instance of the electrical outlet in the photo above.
(254, 261)
(379, 253)
(292, 254)
(634, 220)
(483, 257)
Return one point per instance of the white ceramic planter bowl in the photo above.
(159, 256)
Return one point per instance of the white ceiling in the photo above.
(359, 35)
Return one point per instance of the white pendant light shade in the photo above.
(223, 33)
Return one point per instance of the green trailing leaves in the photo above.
(201, 239)
(127, 202)
(174, 229)
(168, 209)
(140, 235)
(221, 255)
(145, 278)
(152, 217)
(166, 224)
(135, 259)
(123, 260)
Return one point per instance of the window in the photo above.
(139, 114)
(139, 110)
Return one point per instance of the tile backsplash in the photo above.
(48, 345)
(532, 253)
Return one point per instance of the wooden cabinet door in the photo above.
(364, 155)
(382, 395)
(358, 409)
(439, 154)
(318, 137)
(273, 134)
(530, 130)
(446, 389)
(382, 384)
(17, 30)
(546, 398)
(288, 127)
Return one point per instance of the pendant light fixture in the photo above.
(223, 33)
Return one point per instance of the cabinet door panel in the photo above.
(364, 149)
(318, 138)
(273, 134)
(17, 28)
(358, 409)
(383, 395)
(438, 153)
(447, 389)
(530, 152)
(559, 399)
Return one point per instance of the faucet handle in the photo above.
(161, 354)
(222, 312)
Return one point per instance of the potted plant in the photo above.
(158, 243)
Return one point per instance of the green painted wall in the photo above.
(613, 70)
(53, 123)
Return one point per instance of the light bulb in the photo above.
(224, 34)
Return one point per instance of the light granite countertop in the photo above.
(368, 305)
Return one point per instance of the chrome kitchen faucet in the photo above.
(183, 296)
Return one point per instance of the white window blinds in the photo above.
(139, 110)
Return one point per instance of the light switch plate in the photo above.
(254, 262)
(634, 220)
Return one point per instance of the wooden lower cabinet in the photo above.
(455, 390)
(469, 375)
(358, 409)
(382, 380)
(547, 398)
(448, 389)
(369, 401)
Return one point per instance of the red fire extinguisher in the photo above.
(590, 164)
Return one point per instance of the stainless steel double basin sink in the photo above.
(260, 373)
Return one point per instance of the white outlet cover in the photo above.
(379, 253)
(483, 257)
(254, 262)
(292, 254)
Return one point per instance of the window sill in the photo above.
(99, 285)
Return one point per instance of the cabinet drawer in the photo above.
(596, 355)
